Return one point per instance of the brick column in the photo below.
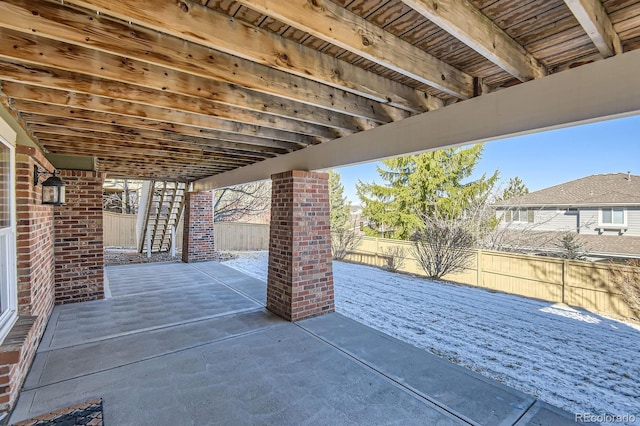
(300, 280)
(197, 236)
(79, 251)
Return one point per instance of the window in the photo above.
(522, 215)
(8, 297)
(614, 217)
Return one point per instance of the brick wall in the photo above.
(35, 274)
(197, 238)
(300, 277)
(79, 255)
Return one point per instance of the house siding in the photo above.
(589, 223)
(545, 219)
(633, 221)
(555, 220)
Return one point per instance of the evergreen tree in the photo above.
(570, 247)
(344, 238)
(515, 188)
(340, 209)
(421, 185)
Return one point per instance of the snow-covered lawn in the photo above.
(573, 359)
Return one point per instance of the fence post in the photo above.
(564, 274)
(479, 282)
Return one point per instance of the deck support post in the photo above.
(300, 276)
(197, 239)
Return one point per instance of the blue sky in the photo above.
(544, 159)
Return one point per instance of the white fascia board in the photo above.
(594, 92)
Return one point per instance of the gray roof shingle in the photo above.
(594, 190)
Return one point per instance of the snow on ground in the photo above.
(570, 358)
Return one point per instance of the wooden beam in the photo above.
(595, 21)
(343, 28)
(147, 139)
(154, 170)
(73, 26)
(202, 164)
(179, 168)
(96, 146)
(218, 31)
(465, 22)
(51, 78)
(113, 106)
(594, 92)
(219, 99)
(235, 145)
(53, 112)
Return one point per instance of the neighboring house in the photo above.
(603, 209)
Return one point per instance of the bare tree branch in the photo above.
(242, 201)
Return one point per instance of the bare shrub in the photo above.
(442, 245)
(343, 241)
(626, 279)
(395, 256)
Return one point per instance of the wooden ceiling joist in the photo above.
(336, 25)
(131, 109)
(30, 107)
(49, 78)
(148, 82)
(39, 130)
(187, 89)
(55, 21)
(217, 31)
(596, 23)
(138, 150)
(465, 22)
(232, 143)
(73, 115)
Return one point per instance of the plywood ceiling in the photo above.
(181, 90)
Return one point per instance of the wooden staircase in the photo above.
(161, 207)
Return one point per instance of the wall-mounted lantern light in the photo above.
(53, 189)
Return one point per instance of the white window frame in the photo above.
(8, 285)
(605, 225)
(520, 212)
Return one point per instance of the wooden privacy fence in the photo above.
(241, 236)
(578, 283)
(120, 231)
(584, 284)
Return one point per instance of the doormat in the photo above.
(88, 413)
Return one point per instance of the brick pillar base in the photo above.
(79, 251)
(300, 280)
(197, 237)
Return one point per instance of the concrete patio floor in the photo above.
(192, 344)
